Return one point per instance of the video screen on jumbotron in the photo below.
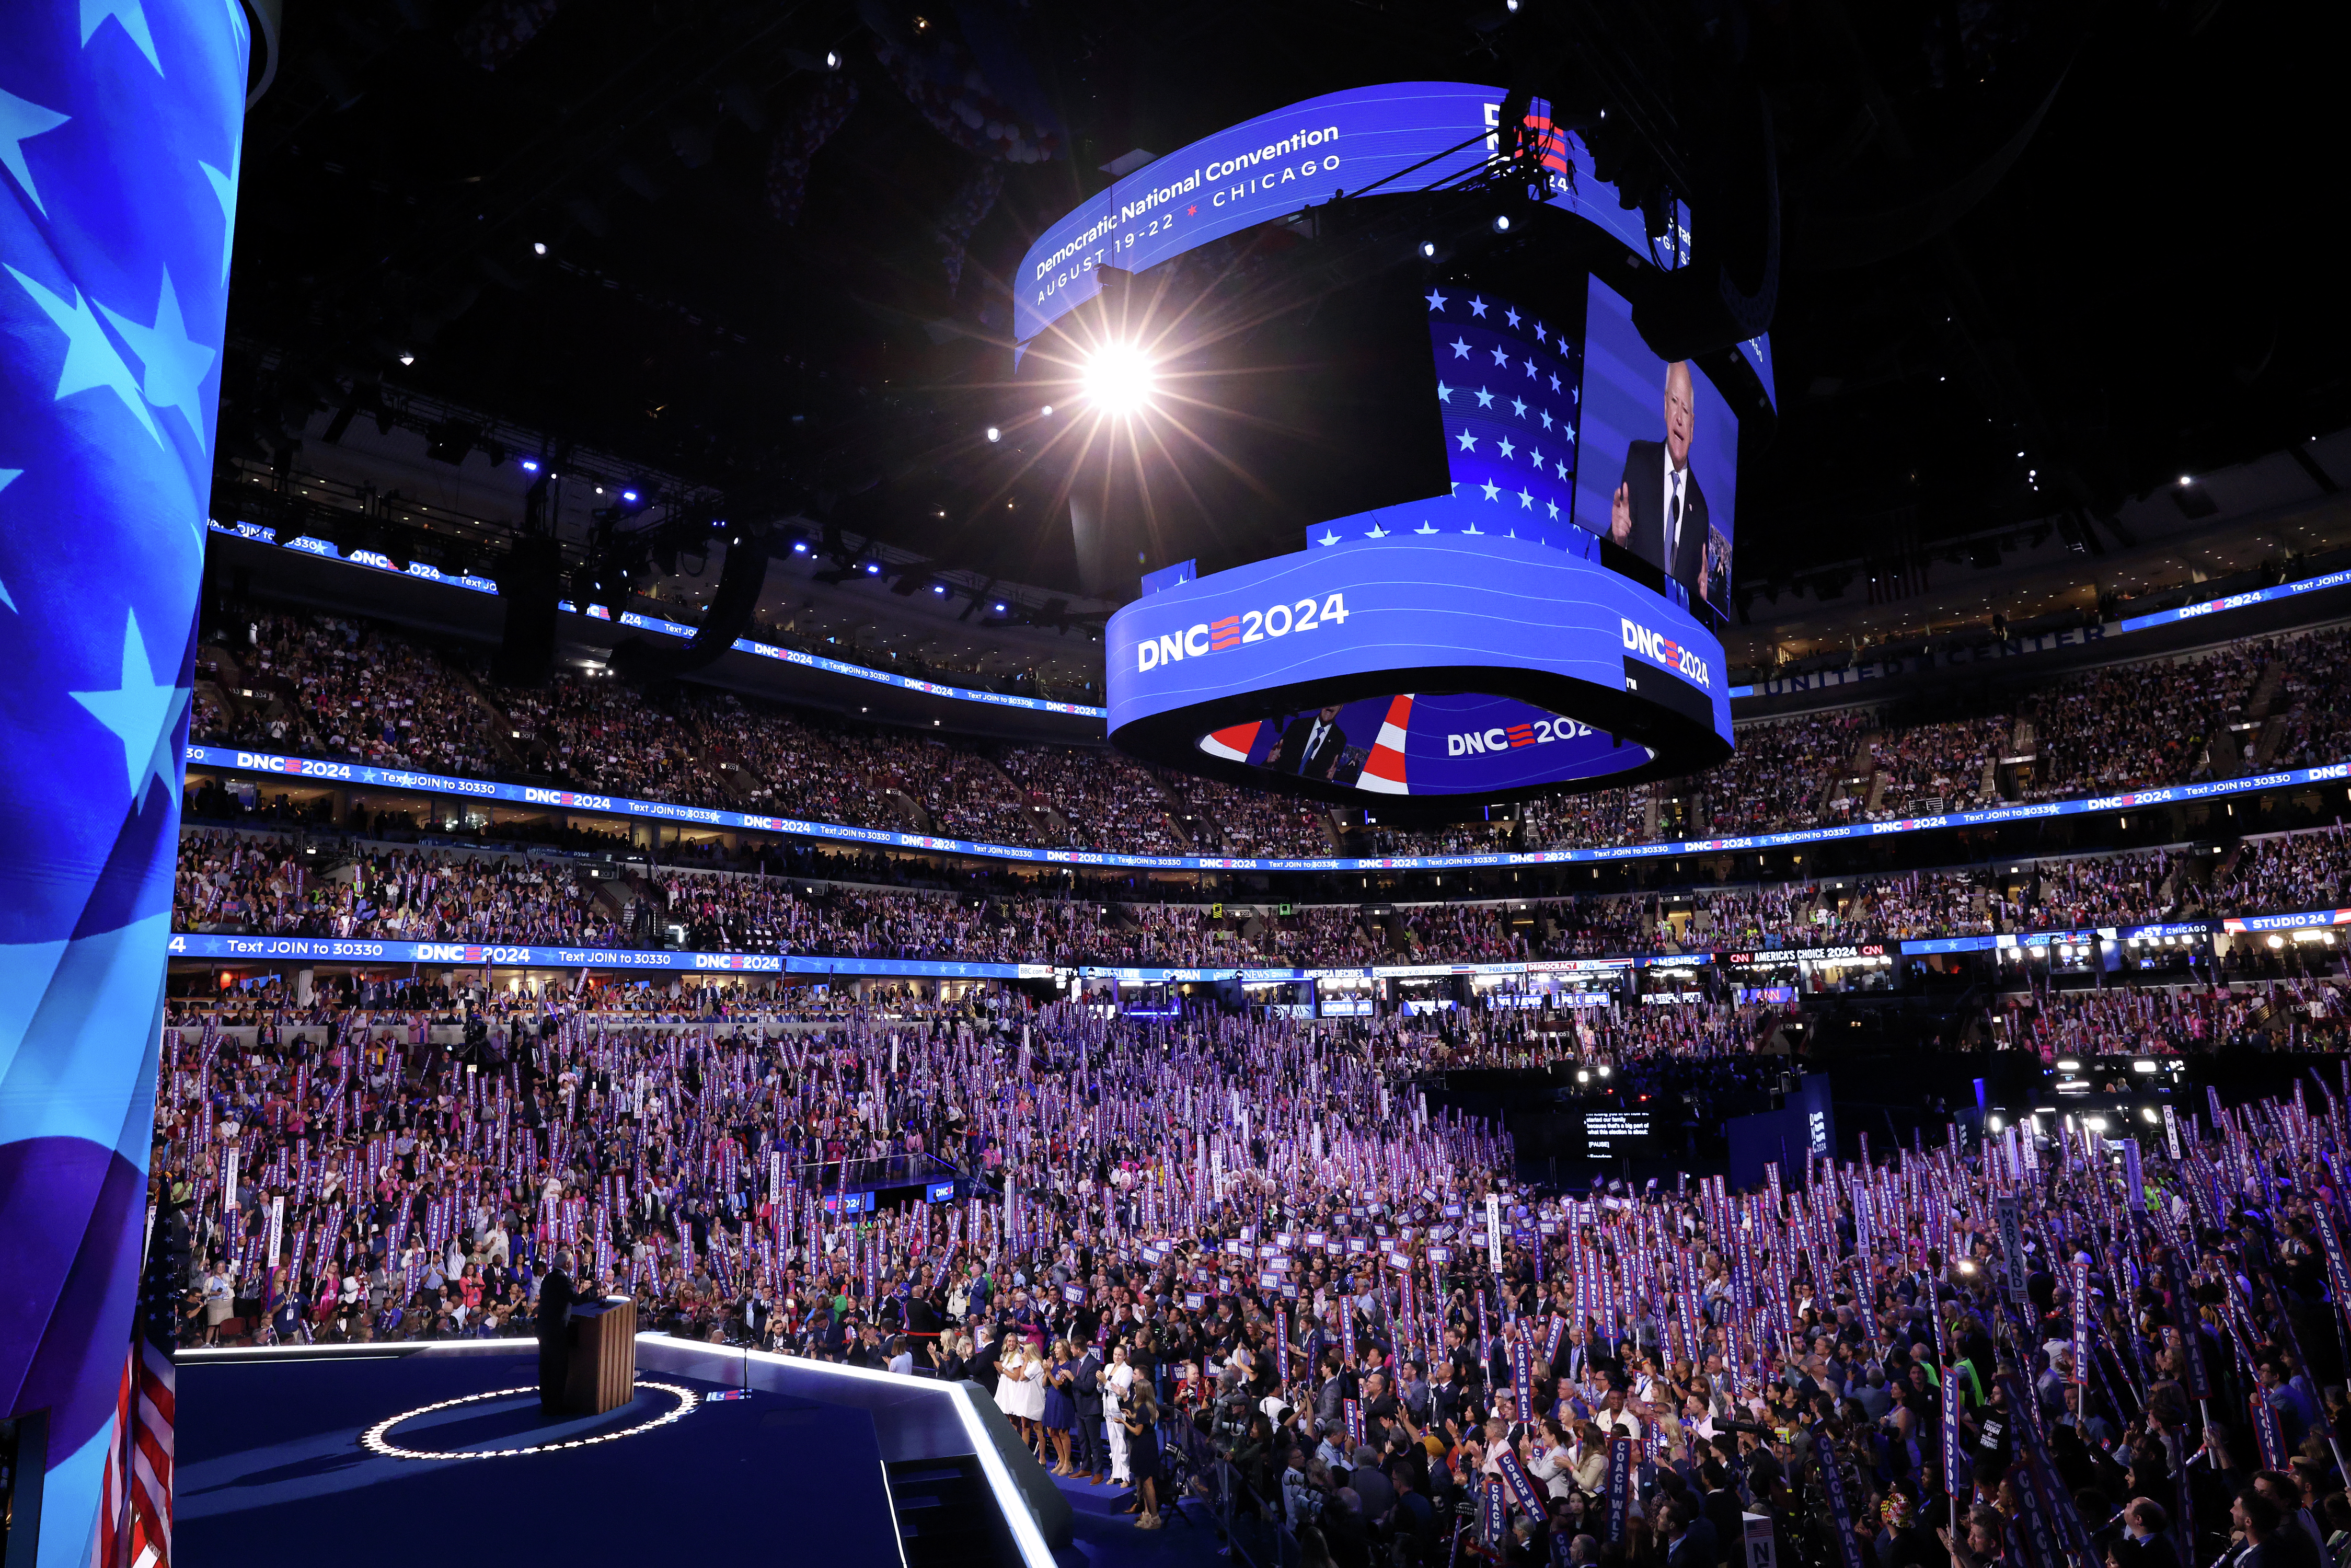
(1658, 466)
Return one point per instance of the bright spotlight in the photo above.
(538, 247)
(999, 609)
(833, 59)
(530, 464)
(799, 547)
(994, 433)
(1501, 223)
(1118, 379)
(872, 568)
(407, 359)
(1049, 410)
(1428, 250)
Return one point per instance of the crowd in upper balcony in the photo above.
(346, 689)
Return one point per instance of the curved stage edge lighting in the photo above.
(377, 1439)
(1398, 664)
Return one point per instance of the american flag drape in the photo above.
(134, 1519)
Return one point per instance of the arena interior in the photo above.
(1034, 786)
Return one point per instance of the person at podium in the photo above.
(556, 1296)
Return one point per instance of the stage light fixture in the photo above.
(872, 568)
(994, 433)
(938, 588)
(1119, 379)
(1428, 250)
(799, 547)
(999, 609)
(530, 464)
(628, 495)
(538, 247)
(1049, 410)
(408, 359)
(1501, 223)
(833, 59)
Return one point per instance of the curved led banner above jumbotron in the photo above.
(1395, 139)
(1420, 663)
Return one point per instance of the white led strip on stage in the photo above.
(375, 1439)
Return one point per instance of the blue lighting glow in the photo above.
(799, 547)
(628, 495)
(530, 464)
(872, 568)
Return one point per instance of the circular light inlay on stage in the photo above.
(377, 1437)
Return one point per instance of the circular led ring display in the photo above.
(1478, 666)
(376, 1438)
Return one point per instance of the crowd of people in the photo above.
(262, 882)
(1929, 768)
(2128, 727)
(344, 688)
(1244, 1263)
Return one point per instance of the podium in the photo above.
(603, 1371)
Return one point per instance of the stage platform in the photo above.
(373, 1454)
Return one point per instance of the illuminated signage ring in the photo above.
(1421, 665)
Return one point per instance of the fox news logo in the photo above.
(1664, 651)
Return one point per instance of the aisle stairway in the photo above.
(947, 1516)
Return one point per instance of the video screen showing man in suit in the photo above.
(1311, 747)
(1659, 509)
(1657, 468)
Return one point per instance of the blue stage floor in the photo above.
(272, 1469)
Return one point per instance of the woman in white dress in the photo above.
(1117, 1378)
(1017, 1381)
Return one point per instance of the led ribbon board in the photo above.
(1418, 663)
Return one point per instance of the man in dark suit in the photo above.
(1093, 1457)
(556, 1295)
(1310, 747)
(1658, 512)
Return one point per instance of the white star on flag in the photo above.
(1518, 407)
(1493, 491)
(176, 366)
(90, 360)
(1555, 509)
(1460, 349)
(131, 13)
(1502, 356)
(1468, 441)
(225, 193)
(1539, 333)
(1477, 309)
(1546, 419)
(1328, 538)
(1510, 315)
(142, 712)
(1444, 392)
(1507, 447)
(1485, 398)
(1526, 502)
(19, 123)
(1436, 300)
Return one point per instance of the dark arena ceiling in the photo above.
(2037, 258)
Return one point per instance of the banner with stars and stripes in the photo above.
(121, 128)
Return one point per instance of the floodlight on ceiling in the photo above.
(1119, 379)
